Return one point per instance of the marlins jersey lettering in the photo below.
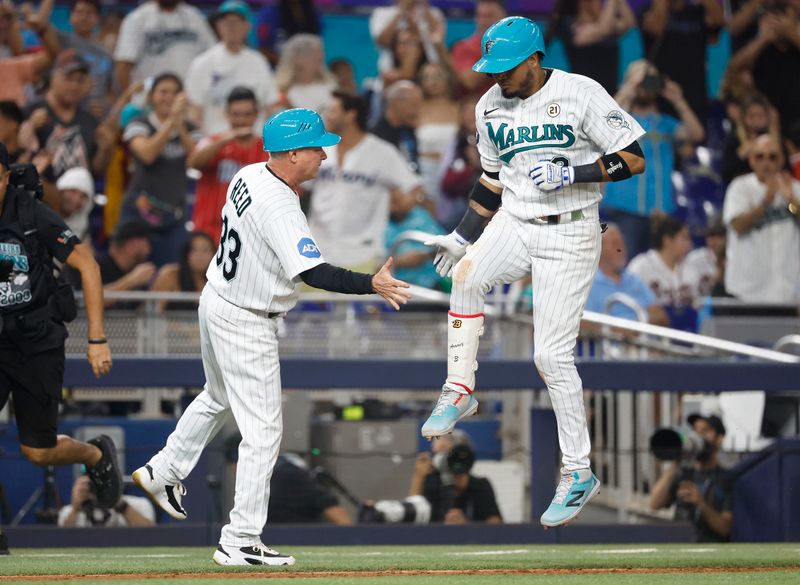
(571, 120)
(264, 245)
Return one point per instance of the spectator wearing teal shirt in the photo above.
(613, 278)
(412, 260)
(631, 203)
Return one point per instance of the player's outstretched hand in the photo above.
(451, 248)
(549, 176)
(99, 355)
(391, 289)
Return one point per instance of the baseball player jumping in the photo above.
(265, 249)
(546, 139)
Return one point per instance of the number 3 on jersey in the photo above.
(231, 242)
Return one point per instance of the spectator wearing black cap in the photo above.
(33, 309)
(69, 135)
(699, 489)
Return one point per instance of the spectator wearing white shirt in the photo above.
(303, 79)
(705, 263)
(84, 512)
(228, 64)
(762, 210)
(160, 36)
(661, 267)
(350, 201)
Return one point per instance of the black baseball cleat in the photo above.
(106, 476)
(3, 543)
(250, 555)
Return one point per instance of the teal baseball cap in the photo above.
(507, 43)
(296, 128)
(235, 7)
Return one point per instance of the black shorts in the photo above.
(35, 383)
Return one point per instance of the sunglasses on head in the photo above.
(768, 155)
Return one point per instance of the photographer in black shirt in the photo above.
(34, 306)
(444, 479)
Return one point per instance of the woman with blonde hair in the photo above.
(302, 77)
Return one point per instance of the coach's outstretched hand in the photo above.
(391, 289)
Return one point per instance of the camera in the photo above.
(413, 509)
(653, 82)
(673, 444)
(25, 177)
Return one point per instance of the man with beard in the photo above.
(630, 204)
(546, 139)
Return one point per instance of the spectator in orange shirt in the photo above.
(220, 157)
(466, 52)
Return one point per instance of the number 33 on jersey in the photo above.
(264, 245)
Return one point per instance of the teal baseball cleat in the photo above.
(574, 490)
(451, 408)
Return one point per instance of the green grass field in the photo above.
(564, 565)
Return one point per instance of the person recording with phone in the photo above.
(699, 488)
(455, 495)
(630, 204)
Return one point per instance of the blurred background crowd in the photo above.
(138, 116)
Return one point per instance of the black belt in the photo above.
(273, 315)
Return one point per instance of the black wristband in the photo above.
(485, 197)
(98, 341)
(472, 225)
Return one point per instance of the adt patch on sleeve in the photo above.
(308, 248)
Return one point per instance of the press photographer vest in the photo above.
(34, 304)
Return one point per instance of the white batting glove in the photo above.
(549, 176)
(452, 248)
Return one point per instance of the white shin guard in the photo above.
(463, 333)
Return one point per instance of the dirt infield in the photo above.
(398, 573)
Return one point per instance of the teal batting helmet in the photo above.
(297, 128)
(507, 43)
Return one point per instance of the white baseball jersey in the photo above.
(571, 120)
(350, 203)
(762, 265)
(265, 243)
(671, 286)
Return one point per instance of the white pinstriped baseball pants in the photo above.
(562, 260)
(240, 359)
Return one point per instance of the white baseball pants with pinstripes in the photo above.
(240, 359)
(562, 261)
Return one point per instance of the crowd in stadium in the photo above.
(159, 118)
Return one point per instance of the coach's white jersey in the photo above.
(571, 120)
(350, 203)
(265, 243)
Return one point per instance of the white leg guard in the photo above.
(463, 333)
